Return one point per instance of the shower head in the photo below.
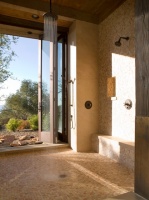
(118, 43)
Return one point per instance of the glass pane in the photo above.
(60, 87)
(45, 90)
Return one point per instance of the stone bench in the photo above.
(114, 148)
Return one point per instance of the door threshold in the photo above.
(27, 148)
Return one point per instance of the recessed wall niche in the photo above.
(111, 87)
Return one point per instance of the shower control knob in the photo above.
(128, 104)
(88, 104)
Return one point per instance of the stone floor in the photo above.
(61, 173)
(127, 196)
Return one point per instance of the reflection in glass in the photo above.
(45, 116)
(60, 87)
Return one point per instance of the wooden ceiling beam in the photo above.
(26, 24)
(43, 6)
(19, 31)
(20, 22)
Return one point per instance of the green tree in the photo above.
(24, 103)
(6, 55)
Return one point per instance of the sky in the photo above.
(24, 65)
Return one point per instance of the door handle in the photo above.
(39, 106)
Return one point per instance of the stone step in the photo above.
(115, 148)
(127, 196)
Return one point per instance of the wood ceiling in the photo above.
(16, 15)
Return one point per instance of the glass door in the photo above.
(62, 112)
(52, 92)
(47, 94)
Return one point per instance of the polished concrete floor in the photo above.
(61, 173)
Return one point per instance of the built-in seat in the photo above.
(115, 148)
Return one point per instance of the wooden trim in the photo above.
(142, 98)
(60, 10)
(20, 22)
(19, 31)
(20, 27)
(141, 157)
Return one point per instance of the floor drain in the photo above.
(62, 176)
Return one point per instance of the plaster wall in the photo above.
(84, 73)
(87, 83)
(72, 109)
(119, 62)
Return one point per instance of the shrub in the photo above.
(24, 124)
(33, 120)
(45, 123)
(12, 124)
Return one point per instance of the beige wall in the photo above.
(119, 62)
(87, 83)
(72, 109)
(85, 87)
(93, 57)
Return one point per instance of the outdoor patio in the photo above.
(61, 173)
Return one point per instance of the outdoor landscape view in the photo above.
(18, 91)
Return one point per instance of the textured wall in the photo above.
(117, 149)
(83, 62)
(87, 83)
(119, 62)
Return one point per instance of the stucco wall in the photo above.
(114, 118)
(83, 46)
